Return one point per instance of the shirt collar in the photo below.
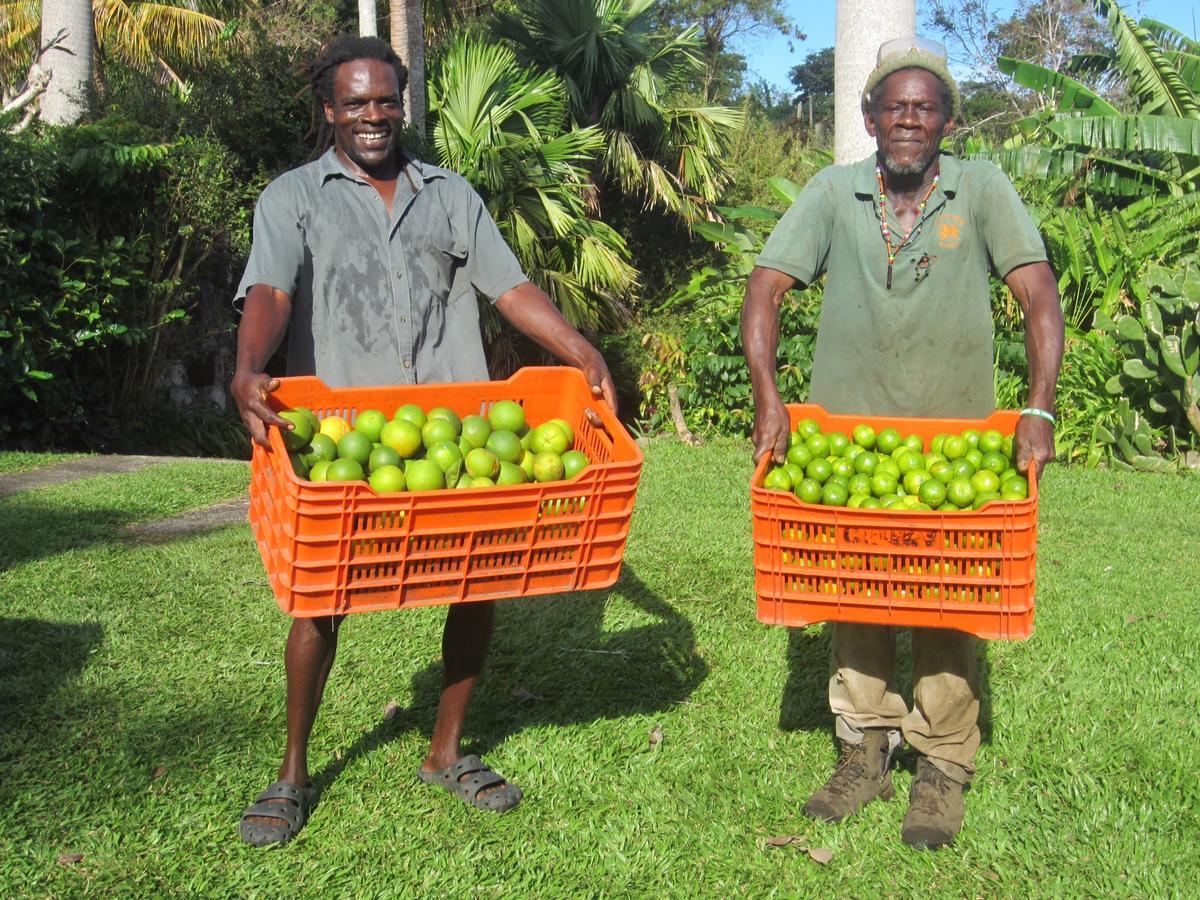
(330, 166)
(949, 176)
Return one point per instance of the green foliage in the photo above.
(1160, 342)
(103, 235)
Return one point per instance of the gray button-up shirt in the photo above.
(378, 300)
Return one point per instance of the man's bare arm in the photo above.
(1036, 291)
(760, 345)
(265, 317)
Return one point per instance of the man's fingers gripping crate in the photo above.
(973, 571)
(339, 547)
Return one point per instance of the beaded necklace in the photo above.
(886, 230)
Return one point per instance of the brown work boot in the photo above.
(861, 776)
(935, 808)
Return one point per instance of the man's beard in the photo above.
(916, 167)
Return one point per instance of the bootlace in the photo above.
(851, 767)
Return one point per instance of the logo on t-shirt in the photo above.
(949, 230)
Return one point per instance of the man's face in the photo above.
(367, 114)
(907, 118)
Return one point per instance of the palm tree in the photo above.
(502, 127)
(624, 76)
(408, 40)
(66, 35)
(146, 36)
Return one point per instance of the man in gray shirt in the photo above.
(370, 262)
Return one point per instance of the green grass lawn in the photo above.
(141, 708)
(11, 462)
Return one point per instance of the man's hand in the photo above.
(597, 375)
(771, 427)
(1033, 444)
(250, 391)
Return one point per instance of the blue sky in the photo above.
(769, 58)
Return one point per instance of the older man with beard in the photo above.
(906, 239)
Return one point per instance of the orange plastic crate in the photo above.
(333, 548)
(971, 571)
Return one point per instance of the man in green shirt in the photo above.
(906, 240)
(370, 261)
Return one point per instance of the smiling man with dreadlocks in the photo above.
(370, 262)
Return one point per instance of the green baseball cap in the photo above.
(912, 53)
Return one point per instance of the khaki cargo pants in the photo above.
(944, 723)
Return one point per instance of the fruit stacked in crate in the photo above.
(893, 521)
(409, 496)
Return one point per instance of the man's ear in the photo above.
(328, 112)
(869, 122)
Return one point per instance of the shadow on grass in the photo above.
(553, 663)
(804, 705)
(36, 659)
(36, 531)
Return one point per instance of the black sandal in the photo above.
(291, 815)
(478, 779)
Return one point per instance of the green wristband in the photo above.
(1040, 413)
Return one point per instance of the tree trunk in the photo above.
(67, 37)
(367, 26)
(408, 40)
(862, 25)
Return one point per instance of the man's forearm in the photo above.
(1044, 349)
(265, 317)
(533, 313)
(760, 338)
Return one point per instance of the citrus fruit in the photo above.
(990, 441)
(424, 475)
(567, 429)
(510, 473)
(448, 458)
(819, 470)
(866, 462)
(852, 451)
(482, 481)
(387, 479)
(575, 461)
(883, 482)
(834, 493)
(299, 464)
(935, 446)
(914, 478)
(345, 469)
(971, 436)
(888, 464)
(962, 466)
(960, 491)
(411, 412)
(549, 438)
(981, 499)
(402, 436)
(1015, 488)
(778, 479)
(1006, 446)
(914, 443)
(319, 470)
(818, 445)
(506, 415)
(932, 492)
(910, 462)
(954, 446)
(481, 461)
(356, 446)
(793, 439)
(310, 415)
(301, 432)
(809, 490)
(448, 415)
(806, 428)
(859, 484)
(856, 500)
(382, 456)
(505, 445)
(985, 481)
(464, 481)
(974, 456)
(887, 440)
(864, 436)
(842, 467)
(526, 463)
(994, 461)
(370, 422)
(322, 446)
(437, 431)
(547, 467)
(838, 442)
(796, 472)
(942, 471)
(335, 427)
(870, 503)
(800, 455)
(476, 430)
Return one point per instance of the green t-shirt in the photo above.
(923, 348)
